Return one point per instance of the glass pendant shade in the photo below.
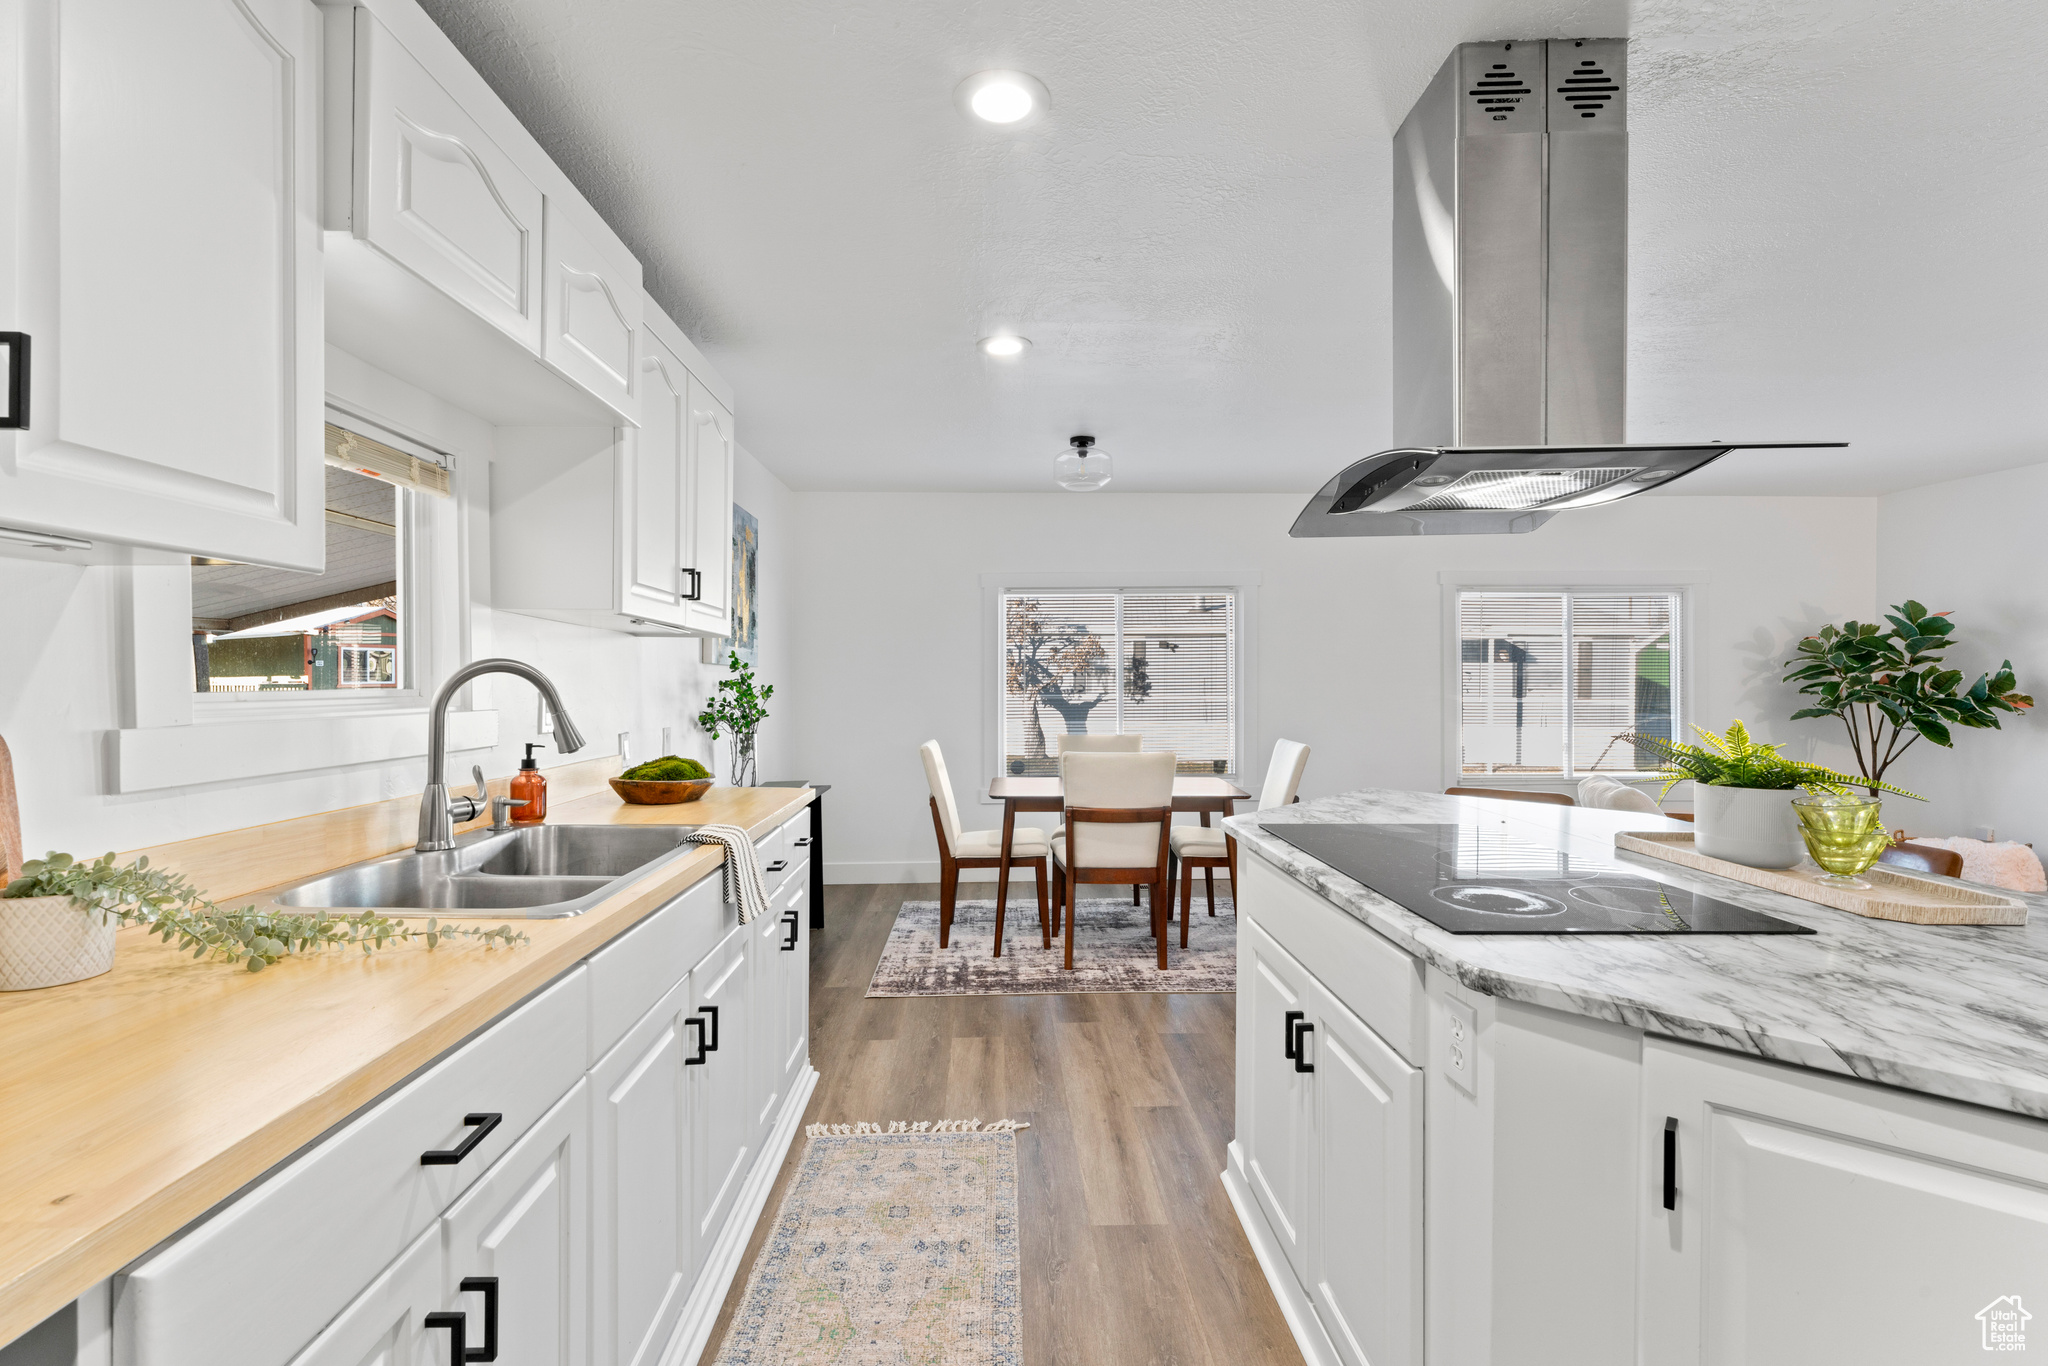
(1082, 469)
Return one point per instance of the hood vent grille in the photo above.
(1588, 90)
(1494, 490)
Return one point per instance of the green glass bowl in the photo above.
(1845, 835)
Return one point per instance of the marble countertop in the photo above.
(1955, 1011)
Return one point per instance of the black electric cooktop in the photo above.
(1484, 878)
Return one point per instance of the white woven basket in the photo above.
(46, 941)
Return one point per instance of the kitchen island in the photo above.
(214, 1115)
(1666, 1148)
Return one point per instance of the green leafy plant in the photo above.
(735, 711)
(1888, 685)
(669, 768)
(1735, 760)
(178, 913)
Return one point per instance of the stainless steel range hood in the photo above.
(1510, 304)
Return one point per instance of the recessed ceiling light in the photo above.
(1005, 345)
(1010, 98)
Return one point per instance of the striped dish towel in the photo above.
(743, 885)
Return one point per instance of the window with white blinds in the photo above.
(1155, 663)
(1550, 683)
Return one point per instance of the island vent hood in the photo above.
(1510, 304)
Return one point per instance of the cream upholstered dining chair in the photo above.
(977, 849)
(1605, 794)
(1119, 808)
(1207, 848)
(1098, 744)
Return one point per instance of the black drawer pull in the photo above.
(702, 1051)
(789, 944)
(1288, 1023)
(1301, 1062)
(457, 1323)
(1670, 1162)
(481, 1124)
(776, 866)
(800, 843)
(712, 1011)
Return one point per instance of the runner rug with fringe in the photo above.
(1113, 951)
(893, 1244)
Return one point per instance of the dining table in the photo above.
(1191, 792)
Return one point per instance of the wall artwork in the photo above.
(746, 584)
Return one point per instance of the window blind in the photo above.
(1158, 664)
(1550, 683)
(354, 451)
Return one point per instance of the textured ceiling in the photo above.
(1836, 224)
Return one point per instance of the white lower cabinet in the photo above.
(1273, 1110)
(387, 1325)
(1812, 1218)
(721, 1138)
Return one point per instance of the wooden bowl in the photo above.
(661, 794)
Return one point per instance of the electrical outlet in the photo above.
(1460, 1056)
(544, 720)
(625, 752)
(1985, 833)
(666, 747)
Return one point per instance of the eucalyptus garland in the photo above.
(177, 912)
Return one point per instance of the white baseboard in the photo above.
(1316, 1347)
(686, 1344)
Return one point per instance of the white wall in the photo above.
(1976, 547)
(888, 636)
(60, 694)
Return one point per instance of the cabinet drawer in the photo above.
(776, 861)
(1382, 983)
(326, 1223)
(796, 833)
(630, 974)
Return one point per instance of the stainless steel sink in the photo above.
(535, 872)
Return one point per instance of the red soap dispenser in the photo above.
(529, 785)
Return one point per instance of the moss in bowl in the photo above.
(663, 782)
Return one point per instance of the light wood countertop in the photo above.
(132, 1103)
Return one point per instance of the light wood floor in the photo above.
(1131, 1253)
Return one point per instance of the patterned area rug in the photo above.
(1113, 951)
(897, 1247)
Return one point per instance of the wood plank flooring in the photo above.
(1131, 1254)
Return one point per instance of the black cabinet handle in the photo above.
(801, 842)
(712, 1011)
(791, 920)
(702, 1051)
(457, 1323)
(696, 592)
(481, 1124)
(1670, 1162)
(1301, 1062)
(17, 379)
(1288, 1024)
(776, 866)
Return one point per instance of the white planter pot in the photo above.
(46, 941)
(1746, 825)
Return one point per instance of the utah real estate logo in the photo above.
(2005, 1324)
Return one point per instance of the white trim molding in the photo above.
(157, 757)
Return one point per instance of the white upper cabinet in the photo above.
(653, 475)
(708, 557)
(163, 257)
(592, 315)
(434, 193)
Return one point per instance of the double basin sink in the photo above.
(531, 872)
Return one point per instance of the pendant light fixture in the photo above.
(1083, 469)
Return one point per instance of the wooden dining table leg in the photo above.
(1003, 874)
(1187, 897)
(1044, 914)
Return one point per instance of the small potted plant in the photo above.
(735, 711)
(1742, 793)
(55, 929)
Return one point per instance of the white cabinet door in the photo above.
(1273, 1004)
(710, 548)
(793, 958)
(1366, 1210)
(436, 195)
(525, 1222)
(387, 1323)
(721, 1139)
(1821, 1219)
(767, 1086)
(592, 314)
(652, 503)
(162, 254)
(642, 1241)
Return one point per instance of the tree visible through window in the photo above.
(1523, 709)
(1159, 664)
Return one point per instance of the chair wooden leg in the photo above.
(1187, 896)
(1044, 913)
(1209, 887)
(1134, 893)
(1067, 902)
(949, 883)
(1002, 898)
(1159, 923)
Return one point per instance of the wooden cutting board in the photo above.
(10, 819)
(1891, 896)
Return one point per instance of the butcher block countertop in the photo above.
(132, 1103)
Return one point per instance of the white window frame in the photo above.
(174, 736)
(1690, 588)
(1243, 585)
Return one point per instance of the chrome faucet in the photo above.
(439, 813)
